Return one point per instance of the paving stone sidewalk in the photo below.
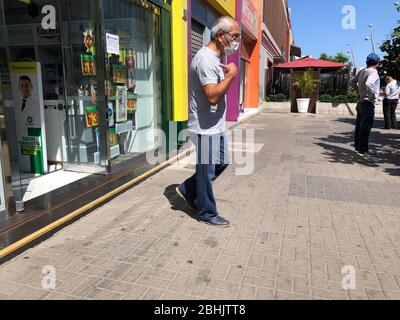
(311, 207)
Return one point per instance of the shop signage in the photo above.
(118, 74)
(92, 116)
(26, 81)
(48, 33)
(88, 62)
(110, 115)
(29, 12)
(121, 110)
(112, 137)
(112, 42)
(30, 146)
(88, 40)
(131, 105)
(249, 17)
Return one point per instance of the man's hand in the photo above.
(230, 69)
(216, 92)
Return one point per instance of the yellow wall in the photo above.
(180, 86)
(226, 7)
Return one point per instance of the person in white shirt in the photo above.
(390, 102)
(367, 83)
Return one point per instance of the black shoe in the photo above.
(189, 202)
(217, 221)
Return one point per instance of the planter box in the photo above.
(323, 108)
(342, 109)
(278, 107)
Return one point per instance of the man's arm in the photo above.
(354, 82)
(216, 92)
(373, 85)
(387, 91)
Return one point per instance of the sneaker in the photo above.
(368, 153)
(189, 202)
(217, 221)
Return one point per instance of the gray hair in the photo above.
(223, 24)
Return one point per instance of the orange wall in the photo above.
(251, 99)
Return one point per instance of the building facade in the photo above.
(250, 54)
(277, 42)
(202, 14)
(86, 87)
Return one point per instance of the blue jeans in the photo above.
(364, 123)
(212, 160)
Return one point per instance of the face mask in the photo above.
(232, 49)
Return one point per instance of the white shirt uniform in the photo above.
(393, 90)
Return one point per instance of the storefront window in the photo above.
(133, 77)
(76, 98)
(84, 126)
(8, 105)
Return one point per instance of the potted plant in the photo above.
(306, 84)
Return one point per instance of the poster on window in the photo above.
(130, 61)
(92, 116)
(121, 107)
(118, 74)
(131, 105)
(26, 84)
(88, 62)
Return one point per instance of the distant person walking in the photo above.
(367, 83)
(392, 95)
(209, 82)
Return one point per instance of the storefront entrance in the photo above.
(75, 104)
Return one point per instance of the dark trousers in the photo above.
(389, 112)
(212, 160)
(364, 123)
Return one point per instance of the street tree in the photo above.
(340, 57)
(391, 50)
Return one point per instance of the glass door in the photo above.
(87, 149)
(133, 78)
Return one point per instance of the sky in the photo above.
(317, 26)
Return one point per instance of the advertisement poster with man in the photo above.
(29, 116)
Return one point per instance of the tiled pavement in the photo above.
(311, 207)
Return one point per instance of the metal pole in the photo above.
(354, 60)
(373, 43)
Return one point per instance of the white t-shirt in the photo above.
(205, 119)
(393, 90)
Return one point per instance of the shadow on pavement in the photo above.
(177, 203)
(385, 143)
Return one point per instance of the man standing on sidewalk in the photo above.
(209, 82)
(367, 83)
(390, 102)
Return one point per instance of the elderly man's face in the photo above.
(233, 35)
(25, 87)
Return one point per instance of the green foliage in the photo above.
(277, 98)
(325, 98)
(324, 56)
(339, 99)
(391, 48)
(351, 97)
(305, 83)
(340, 57)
